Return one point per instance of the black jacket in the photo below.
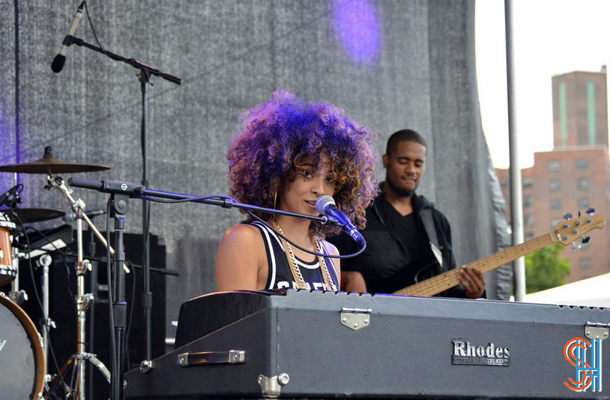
(385, 264)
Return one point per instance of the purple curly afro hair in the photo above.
(279, 134)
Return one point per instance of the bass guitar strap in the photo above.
(426, 215)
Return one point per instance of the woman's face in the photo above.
(313, 181)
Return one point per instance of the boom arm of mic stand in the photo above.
(131, 61)
(136, 190)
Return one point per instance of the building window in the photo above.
(554, 223)
(582, 183)
(528, 182)
(504, 182)
(555, 204)
(583, 203)
(528, 236)
(554, 165)
(584, 263)
(582, 164)
(528, 219)
(528, 201)
(554, 185)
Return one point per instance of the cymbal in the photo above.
(49, 164)
(27, 215)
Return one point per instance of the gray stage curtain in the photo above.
(414, 68)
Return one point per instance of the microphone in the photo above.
(71, 216)
(11, 192)
(326, 205)
(60, 59)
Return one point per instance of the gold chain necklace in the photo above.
(292, 261)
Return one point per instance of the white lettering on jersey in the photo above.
(283, 285)
(286, 285)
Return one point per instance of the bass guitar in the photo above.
(566, 233)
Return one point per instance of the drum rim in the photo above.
(8, 224)
(5, 221)
(33, 334)
(8, 273)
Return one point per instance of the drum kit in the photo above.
(23, 350)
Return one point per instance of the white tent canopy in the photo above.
(593, 292)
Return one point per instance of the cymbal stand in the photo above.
(45, 262)
(16, 295)
(120, 193)
(82, 299)
(15, 282)
(60, 184)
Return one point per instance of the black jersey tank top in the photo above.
(280, 276)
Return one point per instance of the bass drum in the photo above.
(21, 354)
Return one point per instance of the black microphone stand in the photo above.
(120, 206)
(144, 75)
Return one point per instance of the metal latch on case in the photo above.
(212, 357)
(271, 387)
(356, 318)
(597, 330)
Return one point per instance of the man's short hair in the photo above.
(405, 135)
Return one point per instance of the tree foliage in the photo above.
(545, 268)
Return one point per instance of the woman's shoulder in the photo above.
(242, 234)
(330, 248)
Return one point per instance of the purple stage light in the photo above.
(4, 136)
(357, 25)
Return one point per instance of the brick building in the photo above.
(575, 175)
(580, 109)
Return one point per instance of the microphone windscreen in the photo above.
(323, 202)
(58, 63)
